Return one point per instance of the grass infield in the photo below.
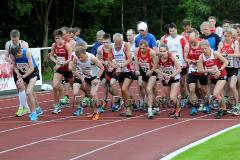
(225, 146)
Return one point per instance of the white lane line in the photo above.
(17, 106)
(65, 134)
(12, 97)
(180, 150)
(133, 137)
(83, 140)
(35, 124)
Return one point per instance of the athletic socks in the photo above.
(22, 99)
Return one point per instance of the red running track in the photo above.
(60, 137)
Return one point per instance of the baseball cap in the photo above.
(142, 26)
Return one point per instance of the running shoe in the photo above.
(100, 109)
(234, 109)
(86, 102)
(26, 110)
(172, 112)
(201, 107)
(79, 111)
(156, 110)
(123, 114)
(193, 112)
(104, 105)
(207, 109)
(56, 109)
(19, 112)
(94, 116)
(150, 113)
(39, 111)
(65, 100)
(128, 113)
(177, 114)
(116, 106)
(221, 113)
(134, 107)
(33, 116)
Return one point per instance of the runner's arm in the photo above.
(177, 66)
(154, 59)
(99, 65)
(236, 50)
(69, 51)
(186, 50)
(200, 66)
(128, 54)
(30, 64)
(51, 54)
(223, 60)
(136, 59)
(73, 66)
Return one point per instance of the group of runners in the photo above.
(192, 66)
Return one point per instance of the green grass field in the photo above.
(225, 146)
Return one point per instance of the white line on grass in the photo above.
(175, 153)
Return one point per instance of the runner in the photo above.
(27, 73)
(212, 38)
(77, 83)
(176, 45)
(61, 55)
(187, 26)
(169, 69)
(103, 51)
(143, 34)
(194, 78)
(121, 54)
(15, 41)
(229, 48)
(91, 69)
(98, 43)
(166, 31)
(214, 64)
(131, 37)
(67, 81)
(145, 65)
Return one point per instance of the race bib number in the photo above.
(87, 72)
(192, 68)
(61, 60)
(145, 66)
(23, 67)
(121, 62)
(230, 61)
(167, 70)
(212, 68)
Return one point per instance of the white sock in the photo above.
(22, 98)
(149, 109)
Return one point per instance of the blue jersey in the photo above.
(95, 47)
(149, 38)
(22, 63)
(213, 40)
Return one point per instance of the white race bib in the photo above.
(212, 68)
(23, 67)
(144, 66)
(87, 71)
(61, 60)
(167, 70)
(192, 68)
(230, 61)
